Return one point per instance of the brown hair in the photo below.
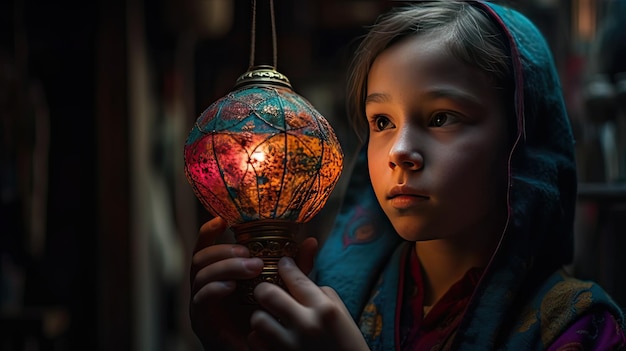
(469, 33)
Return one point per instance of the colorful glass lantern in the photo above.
(264, 159)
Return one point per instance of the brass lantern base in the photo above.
(269, 240)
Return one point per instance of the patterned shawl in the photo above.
(523, 301)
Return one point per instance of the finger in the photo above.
(303, 289)
(279, 303)
(306, 255)
(216, 253)
(227, 270)
(212, 254)
(269, 333)
(209, 232)
(213, 291)
(230, 269)
(332, 294)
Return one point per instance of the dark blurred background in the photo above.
(97, 221)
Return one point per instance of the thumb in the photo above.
(306, 255)
(209, 232)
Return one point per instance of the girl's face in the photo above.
(437, 149)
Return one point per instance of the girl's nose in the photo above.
(404, 155)
(407, 161)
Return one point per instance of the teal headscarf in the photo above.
(510, 308)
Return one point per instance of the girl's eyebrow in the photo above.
(450, 93)
(377, 97)
(454, 94)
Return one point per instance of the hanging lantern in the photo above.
(264, 159)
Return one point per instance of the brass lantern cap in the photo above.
(262, 75)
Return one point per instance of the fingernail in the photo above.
(239, 251)
(253, 264)
(286, 262)
(228, 285)
(216, 223)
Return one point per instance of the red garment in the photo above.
(431, 332)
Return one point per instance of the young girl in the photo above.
(456, 236)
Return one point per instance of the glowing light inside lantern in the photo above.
(257, 156)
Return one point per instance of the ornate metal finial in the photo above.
(263, 75)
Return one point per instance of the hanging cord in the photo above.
(274, 50)
(253, 36)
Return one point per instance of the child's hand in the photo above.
(311, 318)
(218, 318)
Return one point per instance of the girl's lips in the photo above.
(399, 191)
(405, 201)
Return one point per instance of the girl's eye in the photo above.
(381, 123)
(441, 119)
